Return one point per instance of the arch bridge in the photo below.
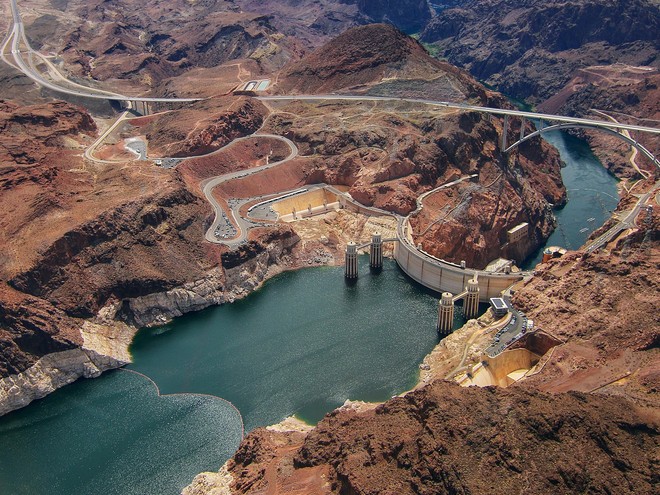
(570, 125)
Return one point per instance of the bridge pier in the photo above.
(376, 251)
(445, 313)
(523, 121)
(136, 106)
(471, 301)
(351, 269)
(505, 130)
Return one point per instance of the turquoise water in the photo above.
(591, 191)
(301, 345)
(113, 435)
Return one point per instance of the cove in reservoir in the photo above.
(301, 345)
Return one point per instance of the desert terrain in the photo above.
(98, 242)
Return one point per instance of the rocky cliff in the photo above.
(605, 307)
(204, 126)
(530, 50)
(103, 347)
(446, 439)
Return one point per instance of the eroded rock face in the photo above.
(531, 50)
(381, 60)
(212, 124)
(604, 306)
(31, 328)
(408, 15)
(104, 347)
(114, 256)
(28, 133)
(446, 439)
(242, 271)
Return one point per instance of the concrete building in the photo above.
(376, 251)
(499, 306)
(446, 313)
(518, 232)
(351, 260)
(471, 300)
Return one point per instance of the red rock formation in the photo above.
(28, 133)
(362, 57)
(30, 328)
(605, 306)
(204, 126)
(447, 439)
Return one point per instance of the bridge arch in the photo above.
(564, 126)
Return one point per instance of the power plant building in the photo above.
(517, 233)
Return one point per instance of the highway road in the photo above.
(18, 36)
(471, 108)
(628, 222)
(633, 157)
(89, 152)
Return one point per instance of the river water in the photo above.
(301, 345)
(591, 191)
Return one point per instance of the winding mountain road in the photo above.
(208, 185)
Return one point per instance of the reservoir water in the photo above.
(301, 345)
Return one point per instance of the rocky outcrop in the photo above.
(104, 347)
(214, 123)
(469, 220)
(531, 50)
(381, 59)
(604, 306)
(104, 259)
(426, 442)
(29, 133)
(244, 271)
